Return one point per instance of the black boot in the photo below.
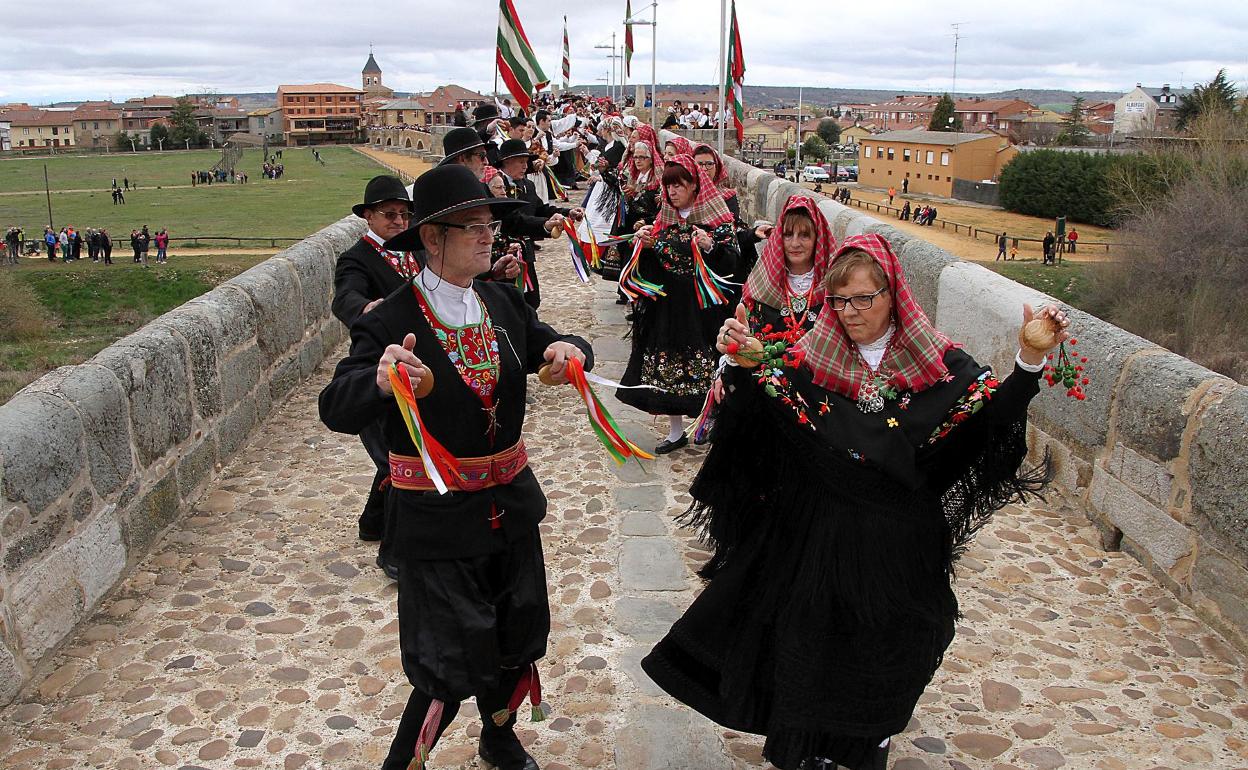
(516, 758)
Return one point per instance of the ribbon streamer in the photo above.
(632, 284)
(436, 460)
(577, 250)
(711, 286)
(552, 182)
(604, 426)
(702, 426)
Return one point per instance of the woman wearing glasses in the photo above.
(848, 474)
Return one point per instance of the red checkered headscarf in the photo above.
(720, 177)
(683, 145)
(708, 210)
(656, 167)
(768, 281)
(915, 357)
(490, 173)
(646, 134)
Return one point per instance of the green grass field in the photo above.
(1064, 282)
(308, 197)
(57, 314)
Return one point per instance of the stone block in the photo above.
(149, 515)
(333, 334)
(662, 738)
(1217, 468)
(841, 222)
(310, 355)
(274, 289)
(234, 428)
(761, 194)
(612, 349)
(831, 210)
(235, 311)
(11, 675)
(41, 448)
(980, 309)
(34, 539)
(651, 564)
(154, 371)
(1222, 581)
(896, 238)
(630, 664)
(314, 265)
(923, 264)
(97, 397)
(643, 524)
(1152, 401)
(644, 619)
(1165, 540)
(285, 376)
(861, 224)
(96, 554)
(240, 372)
(1147, 477)
(778, 195)
(195, 465)
(649, 497)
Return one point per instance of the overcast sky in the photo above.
(98, 50)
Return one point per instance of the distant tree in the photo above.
(183, 125)
(830, 131)
(121, 141)
(814, 148)
(1218, 95)
(945, 118)
(158, 132)
(1074, 133)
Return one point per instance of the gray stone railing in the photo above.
(1157, 454)
(96, 460)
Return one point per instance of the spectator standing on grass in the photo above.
(145, 236)
(11, 243)
(49, 238)
(1014, 250)
(126, 182)
(1002, 242)
(1048, 243)
(162, 245)
(892, 193)
(1072, 239)
(106, 246)
(75, 243)
(134, 246)
(63, 240)
(905, 212)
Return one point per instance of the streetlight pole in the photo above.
(723, 73)
(653, 24)
(798, 157)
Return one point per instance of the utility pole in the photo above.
(47, 191)
(797, 165)
(957, 34)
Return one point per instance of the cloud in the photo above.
(174, 46)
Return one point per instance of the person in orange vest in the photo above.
(892, 192)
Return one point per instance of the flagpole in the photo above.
(723, 73)
(500, 21)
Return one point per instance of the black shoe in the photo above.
(390, 568)
(529, 762)
(666, 446)
(370, 534)
(621, 300)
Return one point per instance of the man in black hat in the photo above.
(365, 274)
(485, 118)
(466, 147)
(472, 601)
(536, 219)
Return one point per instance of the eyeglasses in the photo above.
(476, 229)
(392, 216)
(705, 163)
(859, 301)
(479, 155)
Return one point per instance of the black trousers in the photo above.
(373, 517)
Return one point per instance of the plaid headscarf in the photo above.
(768, 281)
(721, 171)
(683, 145)
(915, 357)
(646, 134)
(656, 165)
(708, 210)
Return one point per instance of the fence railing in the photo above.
(31, 247)
(406, 177)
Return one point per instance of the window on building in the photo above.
(944, 159)
(905, 156)
(866, 151)
(879, 152)
(948, 179)
(890, 172)
(54, 131)
(890, 154)
(96, 124)
(930, 156)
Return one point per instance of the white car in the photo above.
(815, 174)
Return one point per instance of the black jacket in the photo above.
(455, 525)
(361, 276)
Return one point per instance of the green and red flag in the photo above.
(736, 75)
(628, 38)
(516, 61)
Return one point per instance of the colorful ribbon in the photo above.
(632, 284)
(437, 461)
(552, 183)
(604, 426)
(530, 686)
(711, 287)
(428, 735)
(577, 251)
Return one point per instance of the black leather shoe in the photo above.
(666, 446)
(369, 534)
(529, 762)
(390, 568)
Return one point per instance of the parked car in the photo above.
(815, 174)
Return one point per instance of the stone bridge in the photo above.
(181, 584)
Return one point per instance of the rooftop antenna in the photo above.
(957, 34)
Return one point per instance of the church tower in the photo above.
(371, 76)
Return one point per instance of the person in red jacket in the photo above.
(162, 246)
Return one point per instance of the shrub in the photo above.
(1051, 183)
(22, 318)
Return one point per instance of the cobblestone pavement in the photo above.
(259, 633)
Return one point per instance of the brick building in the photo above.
(320, 113)
(931, 160)
(41, 128)
(440, 103)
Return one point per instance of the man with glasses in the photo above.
(364, 275)
(473, 612)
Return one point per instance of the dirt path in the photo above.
(412, 167)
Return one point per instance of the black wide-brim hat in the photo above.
(513, 148)
(484, 112)
(459, 141)
(380, 189)
(441, 191)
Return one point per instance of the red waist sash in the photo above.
(475, 473)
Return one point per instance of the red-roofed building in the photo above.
(320, 113)
(95, 126)
(440, 103)
(41, 128)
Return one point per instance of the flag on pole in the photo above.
(567, 56)
(516, 61)
(736, 75)
(628, 38)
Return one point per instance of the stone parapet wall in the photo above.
(96, 460)
(1158, 453)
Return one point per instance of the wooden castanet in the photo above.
(425, 386)
(750, 353)
(1041, 333)
(544, 376)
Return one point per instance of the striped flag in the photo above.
(516, 61)
(567, 56)
(628, 38)
(736, 75)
